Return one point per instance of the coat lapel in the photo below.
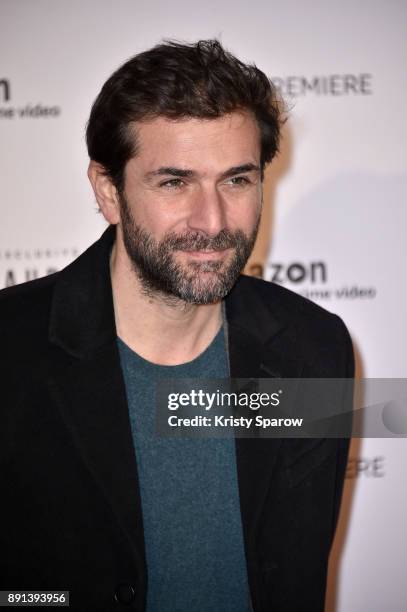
(86, 384)
(91, 398)
(261, 345)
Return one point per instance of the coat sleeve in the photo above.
(348, 371)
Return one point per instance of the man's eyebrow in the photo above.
(240, 170)
(169, 170)
(185, 173)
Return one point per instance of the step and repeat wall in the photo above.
(335, 203)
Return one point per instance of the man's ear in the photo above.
(105, 192)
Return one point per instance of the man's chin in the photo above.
(201, 291)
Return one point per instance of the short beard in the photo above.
(158, 271)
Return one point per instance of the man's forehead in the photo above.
(161, 141)
(232, 120)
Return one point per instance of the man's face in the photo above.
(191, 204)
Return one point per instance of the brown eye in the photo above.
(239, 181)
(172, 183)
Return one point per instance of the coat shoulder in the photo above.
(26, 303)
(320, 337)
(291, 305)
(24, 326)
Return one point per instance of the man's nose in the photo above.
(207, 213)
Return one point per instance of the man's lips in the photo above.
(207, 255)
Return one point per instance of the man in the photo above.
(92, 500)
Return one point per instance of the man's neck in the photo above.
(161, 330)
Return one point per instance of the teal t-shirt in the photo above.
(189, 496)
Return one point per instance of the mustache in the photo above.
(194, 241)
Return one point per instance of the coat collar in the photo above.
(82, 315)
(82, 312)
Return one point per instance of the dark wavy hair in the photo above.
(177, 80)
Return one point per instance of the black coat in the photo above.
(70, 503)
